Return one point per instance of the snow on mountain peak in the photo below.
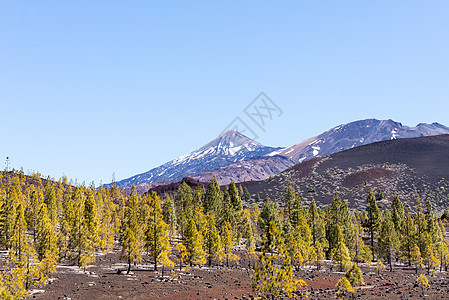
(229, 147)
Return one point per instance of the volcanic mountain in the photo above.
(228, 148)
(342, 137)
(406, 167)
(363, 132)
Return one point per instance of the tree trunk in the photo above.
(210, 256)
(389, 258)
(129, 264)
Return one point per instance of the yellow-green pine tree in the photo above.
(319, 255)
(169, 213)
(227, 244)
(156, 235)
(46, 239)
(248, 234)
(7, 217)
(416, 258)
(343, 286)
(273, 271)
(89, 231)
(193, 242)
(130, 231)
(212, 241)
(340, 253)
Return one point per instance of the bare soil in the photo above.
(102, 281)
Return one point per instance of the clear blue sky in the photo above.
(92, 87)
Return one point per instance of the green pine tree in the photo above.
(372, 222)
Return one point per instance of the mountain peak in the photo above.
(229, 147)
(357, 133)
(232, 139)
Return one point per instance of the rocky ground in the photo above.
(102, 281)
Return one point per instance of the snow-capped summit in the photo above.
(230, 147)
(354, 134)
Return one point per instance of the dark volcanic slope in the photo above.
(427, 155)
(173, 187)
(256, 168)
(403, 166)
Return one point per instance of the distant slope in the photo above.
(257, 168)
(337, 139)
(228, 148)
(403, 166)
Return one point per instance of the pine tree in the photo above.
(130, 233)
(420, 222)
(397, 210)
(355, 275)
(380, 267)
(296, 211)
(234, 197)
(19, 240)
(199, 217)
(212, 240)
(88, 232)
(108, 227)
(429, 258)
(294, 246)
(268, 214)
(75, 210)
(372, 222)
(416, 258)
(212, 197)
(388, 239)
(7, 217)
(22, 253)
(156, 235)
(316, 224)
(289, 200)
(32, 209)
(303, 234)
(193, 242)
(227, 244)
(46, 239)
(273, 273)
(181, 254)
(343, 286)
(408, 237)
(184, 206)
(169, 214)
(46, 244)
(231, 209)
(340, 253)
(441, 248)
(423, 282)
(338, 214)
(248, 234)
(360, 252)
(246, 196)
(51, 201)
(319, 255)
